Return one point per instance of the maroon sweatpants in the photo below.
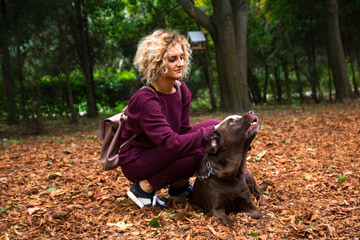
(161, 168)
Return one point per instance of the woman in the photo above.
(167, 150)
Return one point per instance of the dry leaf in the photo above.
(121, 225)
(309, 177)
(303, 193)
(33, 210)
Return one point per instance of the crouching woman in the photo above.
(168, 149)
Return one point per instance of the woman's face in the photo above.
(175, 63)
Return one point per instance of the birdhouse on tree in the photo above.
(197, 40)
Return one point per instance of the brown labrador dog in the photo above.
(223, 184)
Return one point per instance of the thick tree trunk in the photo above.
(7, 79)
(6, 71)
(337, 58)
(224, 32)
(240, 12)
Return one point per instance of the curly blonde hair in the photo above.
(152, 54)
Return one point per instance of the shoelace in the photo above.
(157, 200)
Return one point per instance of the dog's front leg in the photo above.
(244, 200)
(225, 219)
(246, 204)
(254, 188)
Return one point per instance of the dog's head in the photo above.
(233, 132)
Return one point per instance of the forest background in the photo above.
(70, 58)
(295, 63)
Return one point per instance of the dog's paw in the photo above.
(254, 213)
(227, 221)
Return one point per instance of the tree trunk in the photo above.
(240, 12)
(209, 81)
(38, 121)
(358, 61)
(266, 82)
(65, 66)
(278, 85)
(7, 79)
(311, 57)
(297, 73)
(356, 88)
(287, 79)
(312, 78)
(330, 74)
(20, 58)
(6, 71)
(337, 58)
(273, 88)
(253, 83)
(226, 44)
(351, 60)
(226, 35)
(330, 87)
(81, 36)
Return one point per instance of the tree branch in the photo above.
(199, 16)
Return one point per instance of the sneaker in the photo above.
(180, 193)
(142, 198)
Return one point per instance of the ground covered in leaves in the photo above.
(52, 186)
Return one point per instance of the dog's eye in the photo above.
(231, 121)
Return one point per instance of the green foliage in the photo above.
(200, 105)
(202, 102)
(114, 87)
(278, 31)
(52, 188)
(155, 222)
(3, 210)
(254, 235)
(341, 178)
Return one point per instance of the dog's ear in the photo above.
(215, 143)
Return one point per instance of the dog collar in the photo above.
(208, 174)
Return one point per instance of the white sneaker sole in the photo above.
(135, 199)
